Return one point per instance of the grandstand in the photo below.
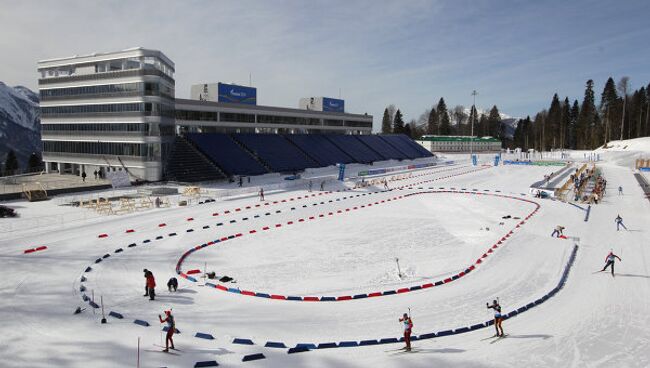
(255, 154)
(226, 154)
(275, 151)
(321, 150)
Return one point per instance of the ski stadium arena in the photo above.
(317, 270)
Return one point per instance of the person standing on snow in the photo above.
(558, 231)
(408, 327)
(261, 193)
(151, 284)
(146, 287)
(171, 328)
(609, 261)
(619, 223)
(620, 190)
(498, 318)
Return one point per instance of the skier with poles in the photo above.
(171, 328)
(261, 193)
(609, 261)
(408, 326)
(498, 318)
(619, 223)
(558, 231)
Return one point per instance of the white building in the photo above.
(110, 110)
(118, 111)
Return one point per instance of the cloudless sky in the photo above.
(516, 54)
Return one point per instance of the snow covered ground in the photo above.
(594, 320)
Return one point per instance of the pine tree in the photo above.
(398, 123)
(432, 122)
(443, 118)
(610, 106)
(573, 125)
(586, 118)
(483, 125)
(565, 118)
(494, 124)
(11, 164)
(386, 123)
(551, 128)
(34, 163)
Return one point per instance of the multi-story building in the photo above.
(110, 110)
(117, 111)
(443, 143)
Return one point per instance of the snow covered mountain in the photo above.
(20, 123)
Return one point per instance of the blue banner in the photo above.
(237, 94)
(333, 105)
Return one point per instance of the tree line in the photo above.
(620, 114)
(11, 166)
(439, 120)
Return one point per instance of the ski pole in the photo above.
(138, 361)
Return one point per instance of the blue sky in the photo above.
(516, 54)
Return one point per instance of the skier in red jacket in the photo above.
(151, 284)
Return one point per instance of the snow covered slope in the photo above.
(20, 125)
(437, 223)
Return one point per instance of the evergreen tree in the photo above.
(398, 123)
(11, 163)
(386, 123)
(551, 129)
(34, 163)
(443, 118)
(573, 125)
(610, 106)
(494, 124)
(483, 126)
(432, 122)
(586, 118)
(565, 119)
(472, 121)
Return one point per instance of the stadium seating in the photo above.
(406, 145)
(319, 148)
(354, 148)
(186, 164)
(380, 146)
(226, 154)
(275, 151)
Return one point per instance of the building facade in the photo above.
(439, 143)
(193, 116)
(117, 111)
(108, 111)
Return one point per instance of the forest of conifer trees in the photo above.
(620, 114)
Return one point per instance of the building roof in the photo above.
(457, 138)
(103, 56)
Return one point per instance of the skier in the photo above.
(408, 326)
(498, 319)
(151, 284)
(172, 284)
(261, 193)
(558, 231)
(171, 328)
(146, 288)
(609, 261)
(619, 222)
(620, 190)
(386, 184)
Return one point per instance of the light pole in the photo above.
(471, 142)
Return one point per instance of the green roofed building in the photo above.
(455, 143)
